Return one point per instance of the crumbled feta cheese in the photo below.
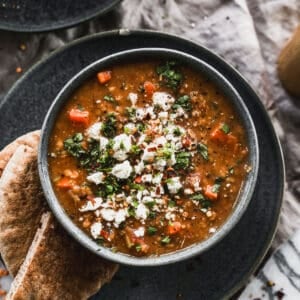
(148, 155)
(163, 115)
(174, 185)
(96, 229)
(96, 178)
(139, 195)
(141, 212)
(91, 204)
(160, 141)
(139, 232)
(150, 111)
(94, 131)
(140, 114)
(172, 160)
(139, 167)
(103, 142)
(160, 164)
(157, 178)
(122, 145)
(188, 191)
(147, 178)
(108, 214)
(120, 217)
(162, 99)
(147, 199)
(170, 216)
(122, 170)
(133, 97)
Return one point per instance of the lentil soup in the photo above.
(148, 157)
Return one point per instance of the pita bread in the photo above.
(21, 206)
(30, 139)
(56, 267)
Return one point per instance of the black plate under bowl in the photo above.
(222, 270)
(45, 15)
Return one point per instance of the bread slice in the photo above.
(30, 139)
(21, 206)
(57, 267)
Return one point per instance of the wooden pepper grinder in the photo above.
(289, 64)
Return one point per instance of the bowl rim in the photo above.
(179, 255)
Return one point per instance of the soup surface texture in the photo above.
(148, 157)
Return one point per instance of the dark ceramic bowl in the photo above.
(224, 85)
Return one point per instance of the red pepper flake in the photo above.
(151, 149)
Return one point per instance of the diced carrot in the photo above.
(144, 247)
(65, 183)
(174, 227)
(79, 116)
(104, 77)
(149, 88)
(218, 135)
(108, 235)
(138, 179)
(210, 194)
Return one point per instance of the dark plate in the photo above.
(44, 15)
(222, 270)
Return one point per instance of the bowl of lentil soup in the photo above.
(148, 156)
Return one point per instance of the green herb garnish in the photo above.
(110, 98)
(73, 145)
(171, 203)
(183, 160)
(177, 132)
(216, 188)
(131, 113)
(170, 75)
(183, 102)
(109, 128)
(203, 150)
(165, 240)
(225, 128)
(151, 230)
(201, 199)
(138, 247)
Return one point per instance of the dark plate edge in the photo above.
(279, 151)
(76, 21)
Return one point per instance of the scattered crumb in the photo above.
(270, 283)
(280, 294)
(19, 70)
(179, 296)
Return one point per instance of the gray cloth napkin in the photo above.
(247, 33)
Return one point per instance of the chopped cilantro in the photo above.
(165, 240)
(110, 185)
(131, 111)
(136, 186)
(171, 203)
(131, 211)
(203, 202)
(110, 98)
(138, 247)
(73, 145)
(225, 128)
(183, 102)
(152, 214)
(231, 170)
(216, 188)
(141, 127)
(170, 75)
(203, 150)
(109, 128)
(151, 230)
(135, 149)
(150, 204)
(183, 160)
(177, 132)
